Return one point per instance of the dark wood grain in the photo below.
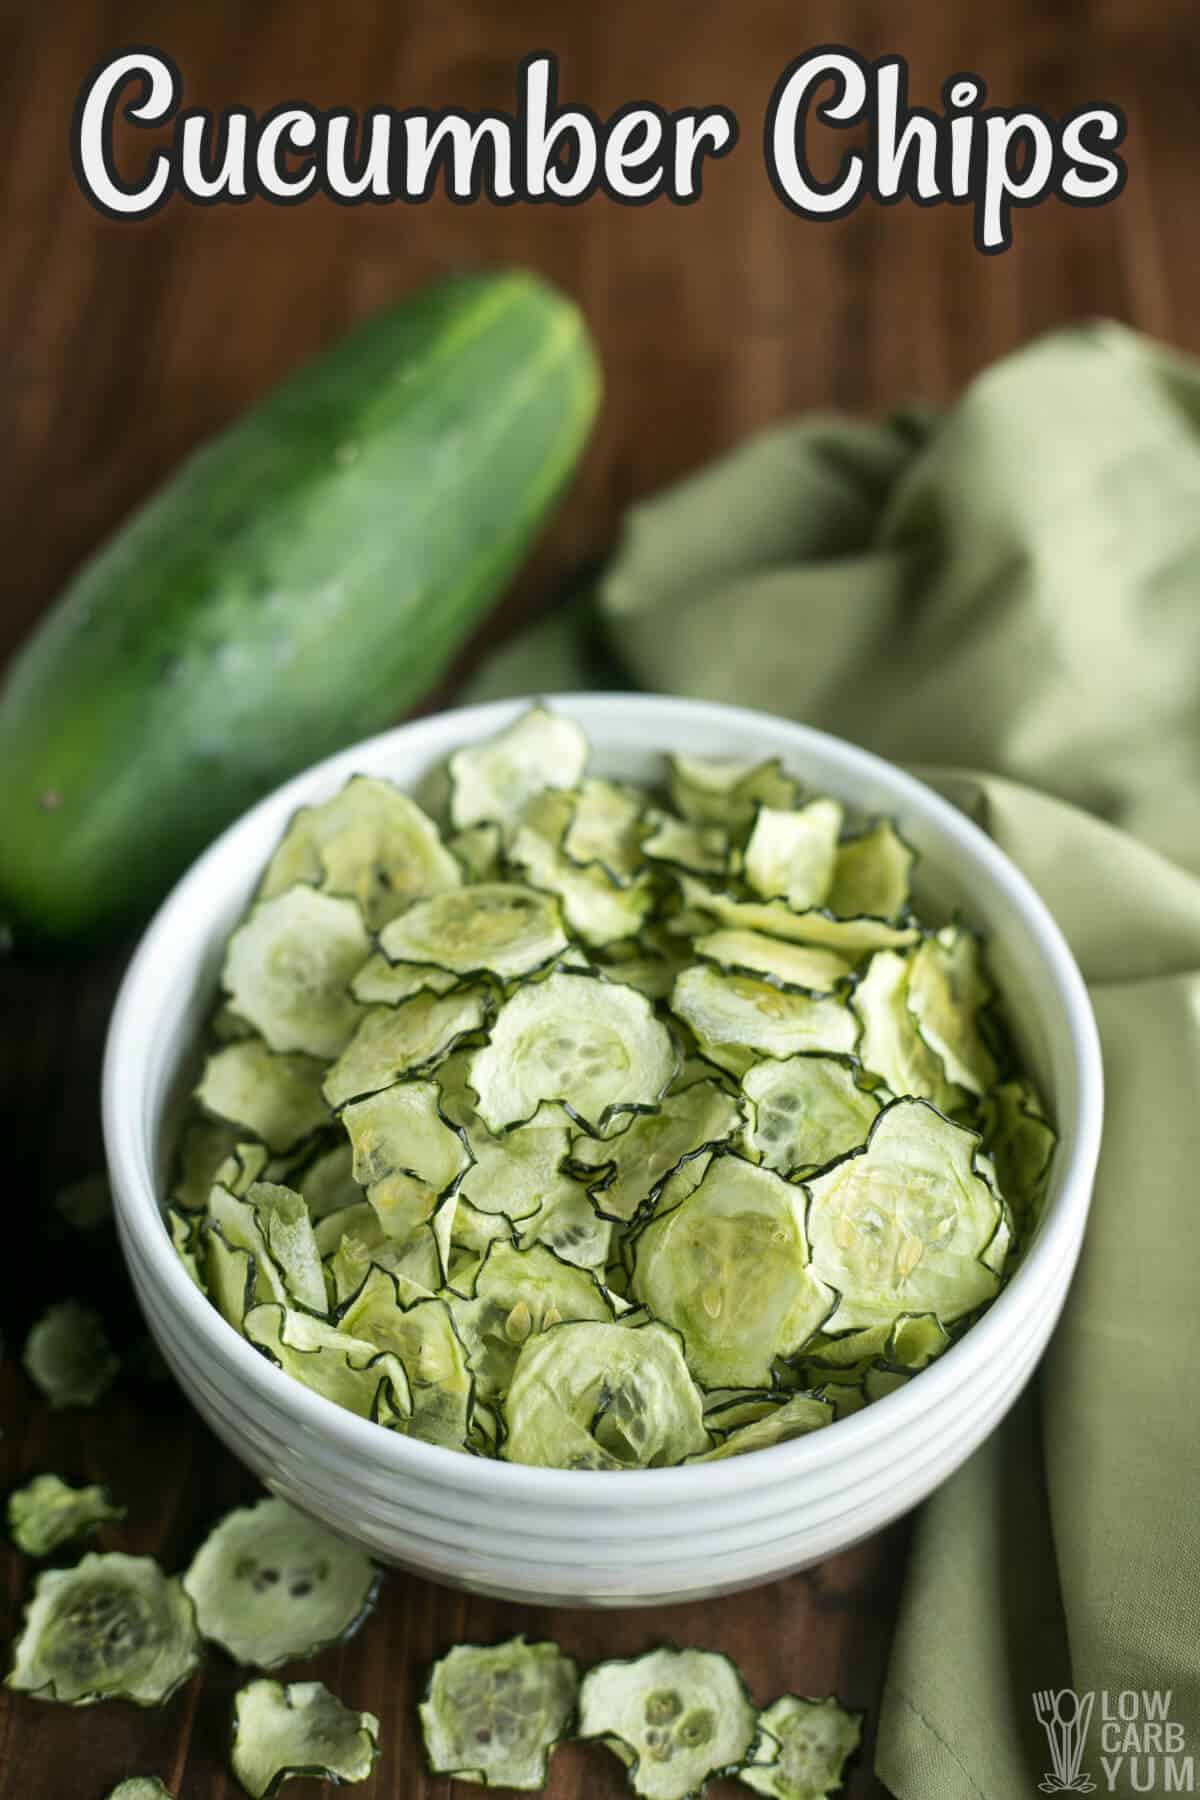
(121, 346)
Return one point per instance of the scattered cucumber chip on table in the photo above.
(804, 1748)
(603, 1126)
(493, 1713)
(112, 1628)
(301, 1730)
(675, 1718)
(68, 1356)
(48, 1513)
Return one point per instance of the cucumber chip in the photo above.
(804, 1749)
(350, 1371)
(489, 928)
(1020, 1141)
(790, 855)
(202, 1149)
(701, 849)
(422, 1335)
(595, 908)
(629, 1170)
(370, 843)
(799, 968)
(731, 1015)
(301, 1730)
(587, 1395)
(140, 1787)
(67, 1355)
(494, 1713)
(721, 791)
(479, 851)
(284, 1221)
(903, 1225)
(381, 983)
(850, 934)
(517, 1294)
(275, 1098)
(792, 1418)
(269, 1584)
(392, 1042)
(946, 991)
(406, 1155)
(112, 1628)
(491, 782)
(603, 831)
(891, 1045)
(288, 970)
(676, 1719)
(567, 1223)
(806, 1111)
(871, 875)
(594, 1046)
(47, 1512)
(729, 1268)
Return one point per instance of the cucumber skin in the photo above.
(299, 583)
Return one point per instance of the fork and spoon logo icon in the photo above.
(1065, 1717)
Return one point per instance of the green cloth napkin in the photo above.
(1013, 589)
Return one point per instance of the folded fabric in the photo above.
(1015, 589)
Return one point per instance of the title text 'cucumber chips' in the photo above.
(601, 1126)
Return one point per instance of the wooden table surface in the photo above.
(122, 345)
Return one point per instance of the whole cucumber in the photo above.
(298, 584)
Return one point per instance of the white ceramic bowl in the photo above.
(555, 1536)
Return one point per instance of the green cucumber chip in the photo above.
(493, 928)
(800, 968)
(327, 1183)
(1020, 1140)
(494, 1713)
(676, 1719)
(422, 1335)
(567, 1223)
(517, 1294)
(479, 851)
(493, 781)
(904, 1225)
(202, 1149)
(48, 1512)
(729, 1268)
(891, 1045)
(628, 1171)
(140, 1787)
(67, 1355)
(871, 875)
(381, 983)
(284, 1221)
(269, 1584)
(239, 1259)
(947, 989)
(586, 1395)
(806, 1111)
(792, 1418)
(591, 1044)
(595, 908)
(701, 849)
(350, 1371)
(721, 791)
(392, 1042)
(852, 934)
(513, 1175)
(790, 855)
(732, 1015)
(288, 969)
(370, 843)
(406, 1155)
(645, 963)
(301, 1730)
(112, 1628)
(245, 1164)
(804, 1749)
(604, 830)
(275, 1098)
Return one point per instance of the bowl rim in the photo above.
(132, 1156)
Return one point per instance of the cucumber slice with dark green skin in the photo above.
(423, 1335)
(112, 1628)
(947, 989)
(700, 849)
(595, 908)
(871, 874)
(568, 1223)
(287, 1733)
(68, 1356)
(790, 855)
(370, 843)
(797, 968)
(598, 1396)
(628, 1170)
(721, 791)
(487, 928)
(202, 1149)
(676, 1718)
(729, 1268)
(350, 1371)
(851, 934)
(393, 1042)
(493, 1713)
(269, 1584)
(276, 1098)
(47, 1512)
(381, 983)
(299, 584)
(288, 969)
(287, 1231)
(516, 1294)
(594, 1046)
(478, 850)
(732, 1015)
(604, 830)
(406, 1154)
(891, 1045)
(792, 1418)
(804, 1749)
(491, 783)
(905, 1224)
(1021, 1141)
(806, 1111)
